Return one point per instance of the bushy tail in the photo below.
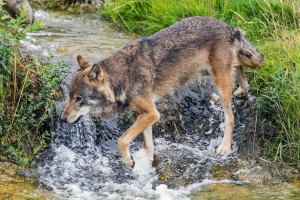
(248, 54)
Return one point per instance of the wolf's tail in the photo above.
(247, 53)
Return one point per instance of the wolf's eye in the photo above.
(78, 99)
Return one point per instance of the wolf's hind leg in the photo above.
(242, 80)
(149, 148)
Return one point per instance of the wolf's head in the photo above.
(90, 93)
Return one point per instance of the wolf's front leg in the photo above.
(149, 148)
(225, 146)
(123, 145)
(242, 80)
(147, 115)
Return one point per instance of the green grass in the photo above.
(279, 89)
(272, 25)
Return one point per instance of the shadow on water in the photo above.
(84, 163)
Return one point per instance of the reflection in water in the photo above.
(84, 163)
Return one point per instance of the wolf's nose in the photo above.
(64, 119)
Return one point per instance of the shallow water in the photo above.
(84, 162)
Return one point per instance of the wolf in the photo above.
(150, 68)
(13, 8)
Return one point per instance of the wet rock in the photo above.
(225, 172)
(9, 169)
(15, 186)
(179, 167)
(280, 171)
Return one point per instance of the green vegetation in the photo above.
(271, 24)
(27, 88)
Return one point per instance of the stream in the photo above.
(83, 161)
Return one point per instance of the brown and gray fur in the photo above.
(150, 68)
(13, 8)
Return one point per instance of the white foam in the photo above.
(41, 14)
(170, 194)
(143, 166)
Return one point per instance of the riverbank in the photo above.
(13, 184)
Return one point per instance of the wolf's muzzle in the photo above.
(64, 119)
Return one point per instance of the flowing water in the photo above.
(84, 163)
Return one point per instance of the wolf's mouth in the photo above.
(76, 121)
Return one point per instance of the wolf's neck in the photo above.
(119, 90)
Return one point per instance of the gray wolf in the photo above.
(13, 8)
(144, 71)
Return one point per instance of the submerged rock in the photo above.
(15, 186)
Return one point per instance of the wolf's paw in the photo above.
(150, 154)
(240, 92)
(222, 149)
(130, 163)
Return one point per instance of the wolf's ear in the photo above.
(96, 74)
(82, 63)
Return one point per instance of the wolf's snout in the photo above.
(64, 119)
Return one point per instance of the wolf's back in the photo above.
(210, 33)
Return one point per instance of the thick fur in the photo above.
(13, 8)
(150, 68)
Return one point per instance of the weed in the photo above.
(27, 93)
